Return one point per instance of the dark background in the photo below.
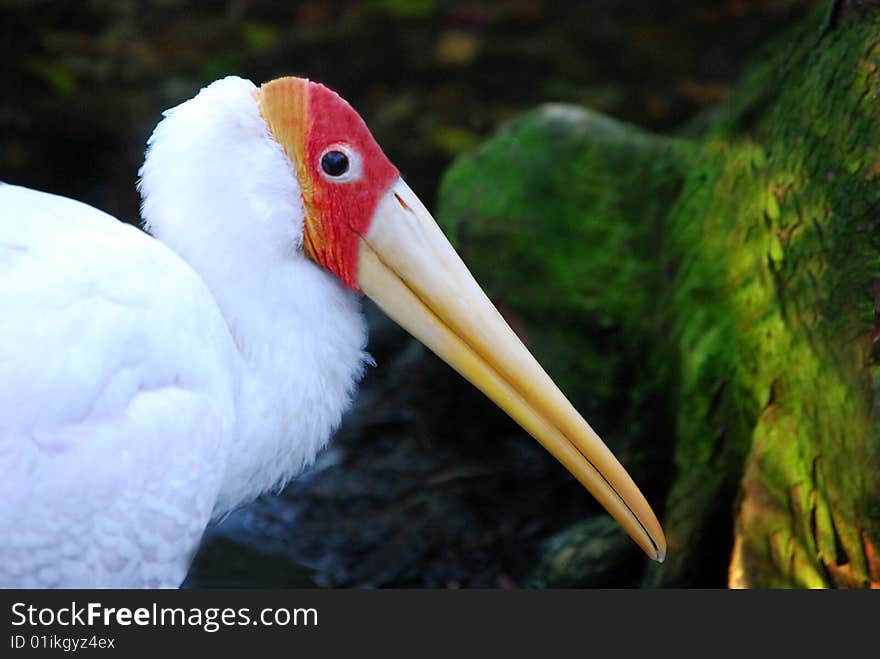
(426, 484)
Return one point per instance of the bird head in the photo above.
(365, 225)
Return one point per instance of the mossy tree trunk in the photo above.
(710, 301)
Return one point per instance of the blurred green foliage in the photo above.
(86, 81)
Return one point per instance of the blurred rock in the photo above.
(731, 273)
(594, 553)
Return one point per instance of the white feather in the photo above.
(147, 386)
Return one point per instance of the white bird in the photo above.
(151, 383)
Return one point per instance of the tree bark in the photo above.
(711, 301)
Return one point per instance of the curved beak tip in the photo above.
(660, 554)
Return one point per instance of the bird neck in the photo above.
(301, 338)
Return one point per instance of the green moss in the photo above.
(785, 248)
(717, 290)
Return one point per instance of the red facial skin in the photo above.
(307, 119)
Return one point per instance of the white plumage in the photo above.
(147, 387)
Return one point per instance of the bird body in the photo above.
(136, 403)
(150, 383)
(113, 390)
(143, 394)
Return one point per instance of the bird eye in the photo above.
(334, 163)
(340, 163)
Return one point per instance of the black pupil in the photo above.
(334, 163)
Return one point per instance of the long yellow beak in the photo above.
(410, 270)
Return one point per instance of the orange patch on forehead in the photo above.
(284, 105)
(307, 119)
